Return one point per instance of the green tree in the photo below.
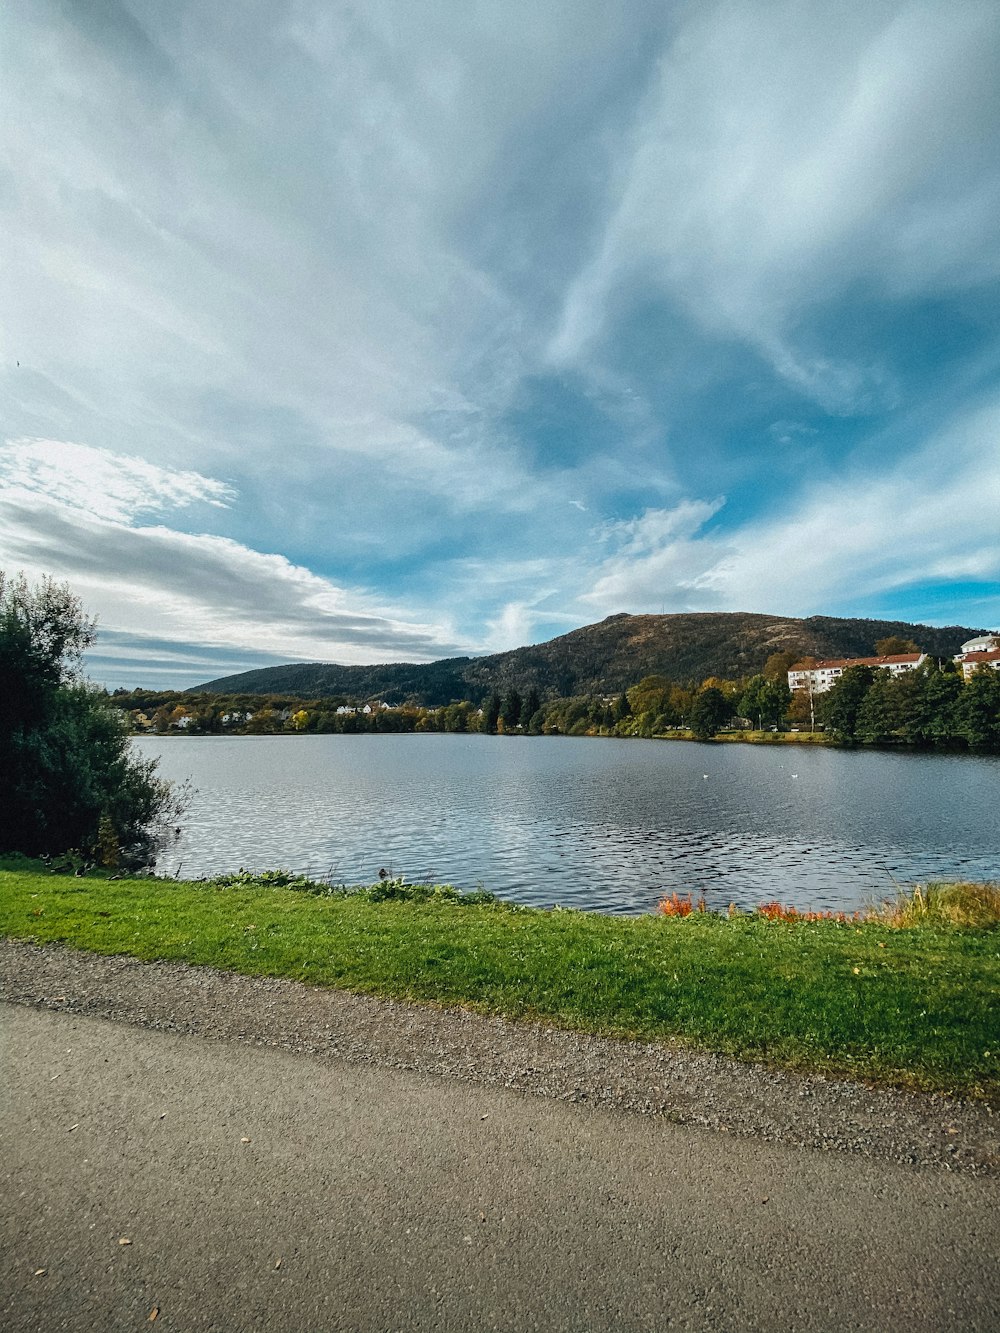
(777, 698)
(765, 701)
(841, 704)
(926, 701)
(68, 777)
(941, 700)
(978, 710)
(491, 713)
(510, 710)
(753, 704)
(879, 714)
(708, 712)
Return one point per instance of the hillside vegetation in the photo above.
(600, 659)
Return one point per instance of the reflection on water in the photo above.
(603, 824)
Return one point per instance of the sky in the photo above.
(389, 331)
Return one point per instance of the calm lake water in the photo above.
(603, 824)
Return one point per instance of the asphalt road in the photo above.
(265, 1189)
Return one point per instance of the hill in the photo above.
(599, 659)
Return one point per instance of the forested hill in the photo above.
(600, 659)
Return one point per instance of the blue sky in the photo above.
(397, 331)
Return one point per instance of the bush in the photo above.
(68, 777)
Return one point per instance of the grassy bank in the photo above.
(917, 1006)
(776, 737)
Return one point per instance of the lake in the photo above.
(609, 825)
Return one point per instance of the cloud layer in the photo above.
(406, 330)
(196, 590)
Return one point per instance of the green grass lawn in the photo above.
(916, 1006)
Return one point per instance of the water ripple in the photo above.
(610, 825)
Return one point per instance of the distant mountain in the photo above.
(599, 659)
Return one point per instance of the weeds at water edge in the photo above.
(969, 906)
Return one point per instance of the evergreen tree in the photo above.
(708, 712)
(978, 710)
(622, 708)
(878, 715)
(491, 713)
(841, 704)
(510, 710)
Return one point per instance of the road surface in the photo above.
(263, 1188)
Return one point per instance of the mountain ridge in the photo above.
(602, 658)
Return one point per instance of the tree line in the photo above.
(929, 706)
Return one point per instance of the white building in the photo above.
(985, 643)
(822, 676)
(971, 662)
(981, 651)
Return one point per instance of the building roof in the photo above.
(895, 659)
(981, 643)
(993, 655)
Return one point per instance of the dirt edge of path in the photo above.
(627, 1077)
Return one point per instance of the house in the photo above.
(981, 651)
(971, 662)
(822, 676)
(984, 643)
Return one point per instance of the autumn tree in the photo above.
(778, 665)
(894, 646)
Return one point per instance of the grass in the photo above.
(910, 999)
(803, 737)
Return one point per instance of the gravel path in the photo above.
(631, 1077)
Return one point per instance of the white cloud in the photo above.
(71, 513)
(932, 516)
(295, 272)
(786, 152)
(104, 484)
(512, 628)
